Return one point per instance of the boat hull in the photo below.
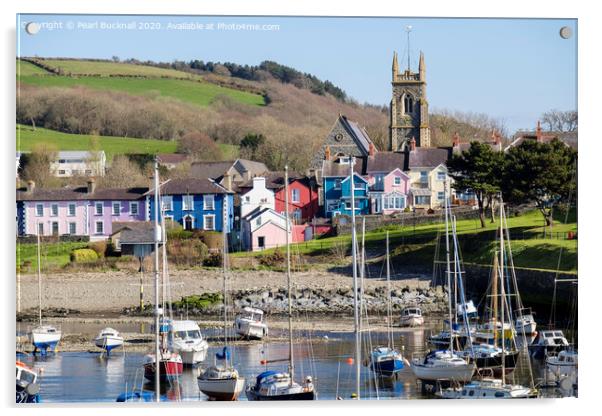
(541, 351)
(453, 373)
(221, 389)
(251, 330)
(412, 321)
(191, 358)
(108, 343)
(252, 395)
(387, 367)
(45, 341)
(169, 370)
(494, 364)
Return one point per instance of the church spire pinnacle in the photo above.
(395, 65)
(422, 67)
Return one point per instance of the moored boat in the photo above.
(488, 389)
(185, 338)
(44, 338)
(28, 388)
(250, 324)
(386, 361)
(170, 366)
(565, 363)
(108, 339)
(443, 365)
(548, 342)
(411, 317)
(273, 385)
(221, 382)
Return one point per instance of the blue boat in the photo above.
(136, 396)
(386, 361)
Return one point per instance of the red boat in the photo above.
(171, 366)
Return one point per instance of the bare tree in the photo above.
(561, 121)
(39, 163)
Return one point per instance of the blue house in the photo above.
(197, 204)
(337, 189)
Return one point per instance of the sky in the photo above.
(510, 69)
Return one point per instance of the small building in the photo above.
(228, 173)
(172, 160)
(133, 238)
(196, 204)
(257, 196)
(337, 188)
(78, 163)
(428, 174)
(389, 185)
(77, 211)
(263, 228)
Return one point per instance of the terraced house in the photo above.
(196, 204)
(83, 211)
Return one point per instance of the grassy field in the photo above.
(162, 82)
(27, 138)
(417, 245)
(53, 255)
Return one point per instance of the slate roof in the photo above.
(386, 162)
(190, 186)
(144, 233)
(172, 158)
(428, 157)
(80, 193)
(359, 135)
(333, 169)
(569, 138)
(275, 180)
(213, 170)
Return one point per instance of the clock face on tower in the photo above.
(338, 137)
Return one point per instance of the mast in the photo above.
(355, 288)
(157, 309)
(39, 279)
(494, 302)
(503, 292)
(225, 270)
(389, 312)
(291, 365)
(448, 269)
(362, 273)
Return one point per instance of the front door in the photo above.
(261, 242)
(55, 228)
(188, 224)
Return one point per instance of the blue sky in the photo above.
(512, 69)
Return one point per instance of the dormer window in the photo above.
(408, 104)
(344, 160)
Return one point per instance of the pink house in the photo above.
(389, 185)
(265, 228)
(77, 211)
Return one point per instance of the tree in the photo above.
(199, 145)
(250, 143)
(542, 173)
(478, 169)
(39, 163)
(561, 121)
(123, 173)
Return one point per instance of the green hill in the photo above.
(27, 138)
(131, 79)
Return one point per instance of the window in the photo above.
(39, 210)
(397, 181)
(441, 176)
(188, 202)
(54, 210)
(295, 195)
(331, 205)
(166, 203)
(258, 221)
(133, 208)
(337, 184)
(422, 200)
(61, 172)
(72, 228)
(98, 208)
(440, 196)
(208, 203)
(357, 184)
(40, 228)
(247, 199)
(408, 104)
(71, 210)
(424, 176)
(88, 172)
(348, 205)
(100, 227)
(297, 215)
(116, 207)
(261, 242)
(209, 222)
(55, 228)
(394, 201)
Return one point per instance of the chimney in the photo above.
(538, 131)
(227, 180)
(371, 149)
(456, 140)
(259, 182)
(413, 144)
(31, 185)
(497, 139)
(327, 153)
(247, 175)
(91, 185)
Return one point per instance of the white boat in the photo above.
(108, 339)
(525, 322)
(412, 317)
(27, 386)
(564, 363)
(443, 365)
(221, 382)
(488, 389)
(250, 323)
(185, 338)
(43, 337)
(548, 342)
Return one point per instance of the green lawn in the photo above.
(25, 68)
(27, 138)
(53, 255)
(107, 68)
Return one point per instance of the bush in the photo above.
(83, 255)
(187, 252)
(272, 260)
(100, 247)
(213, 239)
(213, 260)
(179, 234)
(198, 301)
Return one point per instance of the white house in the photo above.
(79, 163)
(264, 228)
(257, 197)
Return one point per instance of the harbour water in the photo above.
(324, 355)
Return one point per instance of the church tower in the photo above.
(409, 115)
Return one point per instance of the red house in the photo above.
(303, 195)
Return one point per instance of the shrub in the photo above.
(179, 234)
(213, 260)
(276, 258)
(198, 301)
(100, 247)
(187, 252)
(83, 255)
(213, 239)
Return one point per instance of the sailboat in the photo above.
(222, 381)
(386, 360)
(170, 364)
(273, 385)
(447, 365)
(490, 388)
(43, 337)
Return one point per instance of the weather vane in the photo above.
(408, 30)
